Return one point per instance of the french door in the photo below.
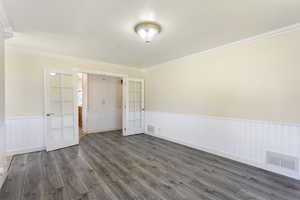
(135, 107)
(60, 110)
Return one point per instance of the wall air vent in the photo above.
(150, 129)
(282, 161)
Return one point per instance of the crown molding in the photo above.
(80, 60)
(246, 40)
(7, 29)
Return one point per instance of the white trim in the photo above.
(124, 78)
(8, 31)
(24, 117)
(75, 141)
(25, 134)
(130, 130)
(222, 154)
(232, 44)
(99, 72)
(136, 79)
(22, 151)
(80, 60)
(237, 119)
(219, 153)
(249, 139)
(89, 131)
(3, 177)
(84, 101)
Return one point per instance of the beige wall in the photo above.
(254, 80)
(257, 80)
(24, 80)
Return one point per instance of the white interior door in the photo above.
(61, 110)
(135, 106)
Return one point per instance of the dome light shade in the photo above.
(147, 30)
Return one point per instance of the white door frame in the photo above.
(143, 105)
(76, 129)
(124, 78)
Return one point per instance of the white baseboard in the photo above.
(219, 153)
(103, 121)
(245, 141)
(222, 154)
(101, 130)
(22, 151)
(3, 177)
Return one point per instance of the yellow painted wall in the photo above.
(25, 80)
(258, 80)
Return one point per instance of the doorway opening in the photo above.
(100, 103)
(80, 104)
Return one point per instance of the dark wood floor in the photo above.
(109, 166)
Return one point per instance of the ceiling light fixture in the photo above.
(147, 30)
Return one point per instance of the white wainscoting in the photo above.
(101, 121)
(2, 178)
(24, 134)
(243, 140)
(3, 168)
(2, 147)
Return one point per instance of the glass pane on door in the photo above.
(60, 109)
(135, 109)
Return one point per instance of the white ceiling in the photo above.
(102, 30)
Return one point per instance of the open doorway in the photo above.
(80, 104)
(100, 103)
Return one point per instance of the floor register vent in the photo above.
(282, 161)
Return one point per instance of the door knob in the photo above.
(49, 114)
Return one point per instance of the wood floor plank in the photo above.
(113, 181)
(170, 181)
(141, 177)
(75, 188)
(132, 183)
(33, 189)
(108, 166)
(207, 190)
(233, 171)
(265, 191)
(263, 175)
(87, 174)
(13, 186)
(53, 185)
